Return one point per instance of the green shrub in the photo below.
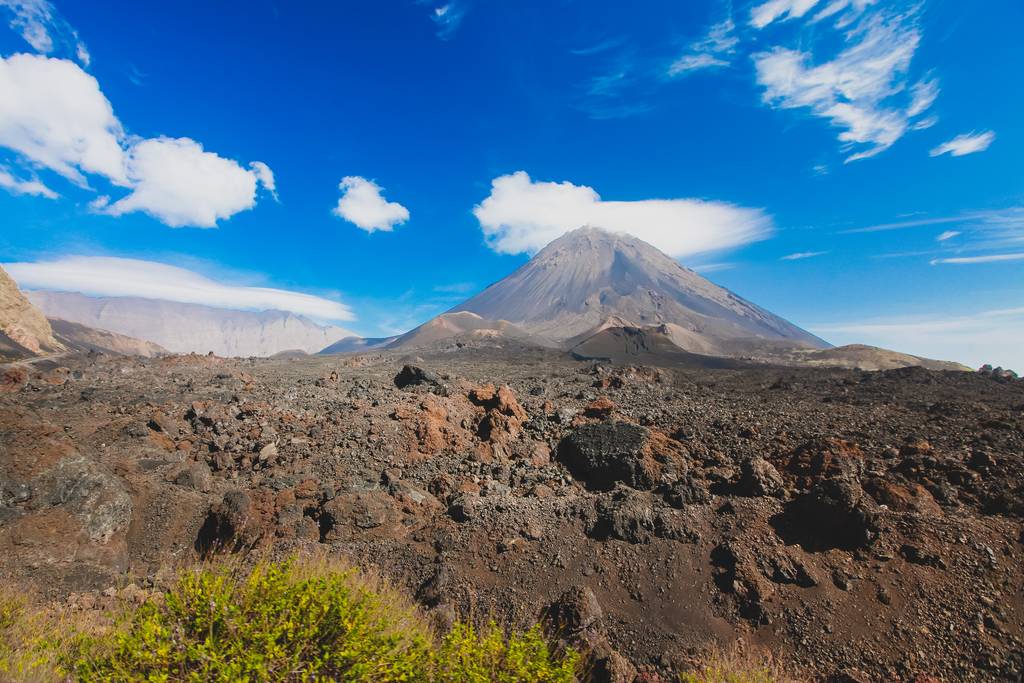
(302, 622)
(466, 655)
(281, 622)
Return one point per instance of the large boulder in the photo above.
(601, 455)
(836, 513)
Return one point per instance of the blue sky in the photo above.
(853, 166)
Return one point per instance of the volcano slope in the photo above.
(858, 524)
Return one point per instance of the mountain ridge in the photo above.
(192, 328)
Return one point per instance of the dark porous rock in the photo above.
(759, 478)
(686, 490)
(411, 375)
(835, 513)
(602, 455)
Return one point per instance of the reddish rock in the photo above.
(600, 408)
(12, 379)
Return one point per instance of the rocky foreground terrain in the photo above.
(862, 525)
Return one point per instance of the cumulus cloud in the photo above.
(19, 186)
(857, 91)
(986, 337)
(714, 50)
(42, 27)
(522, 216)
(362, 204)
(54, 115)
(177, 182)
(800, 255)
(968, 143)
(110, 276)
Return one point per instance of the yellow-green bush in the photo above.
(470, 656)
(302, 622)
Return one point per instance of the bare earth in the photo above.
(863, 524)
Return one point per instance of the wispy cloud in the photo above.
(599, 47)
(714, 50)
(800, 255)
(456, 288)
(771, 11)
(447, 16)
(859, 90)
(1013, 216)
(967, 143)
(42, 27)
(768, 12)
(110, 276)
(20, 186)
(986, 337)
(987, 258)
(712, 267)
(947, 235)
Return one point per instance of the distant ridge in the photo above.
(192, 328)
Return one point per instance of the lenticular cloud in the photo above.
(522, 216)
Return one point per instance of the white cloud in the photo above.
(109, 276)
(712, 267)
(264, 176)
(947, 235)
(447, 17)
(177, 182)
(986, 337)
(362, 204)
(711, 51)
(768, 12)
(923, 96)
(522, 216)
(800, 255)
(855, 91)
(44, 29)
(19, 186)
(765, 13)
(968, 143)
(989, 258)
(53, 114)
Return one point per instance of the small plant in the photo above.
(736, 665)
(470, 656)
